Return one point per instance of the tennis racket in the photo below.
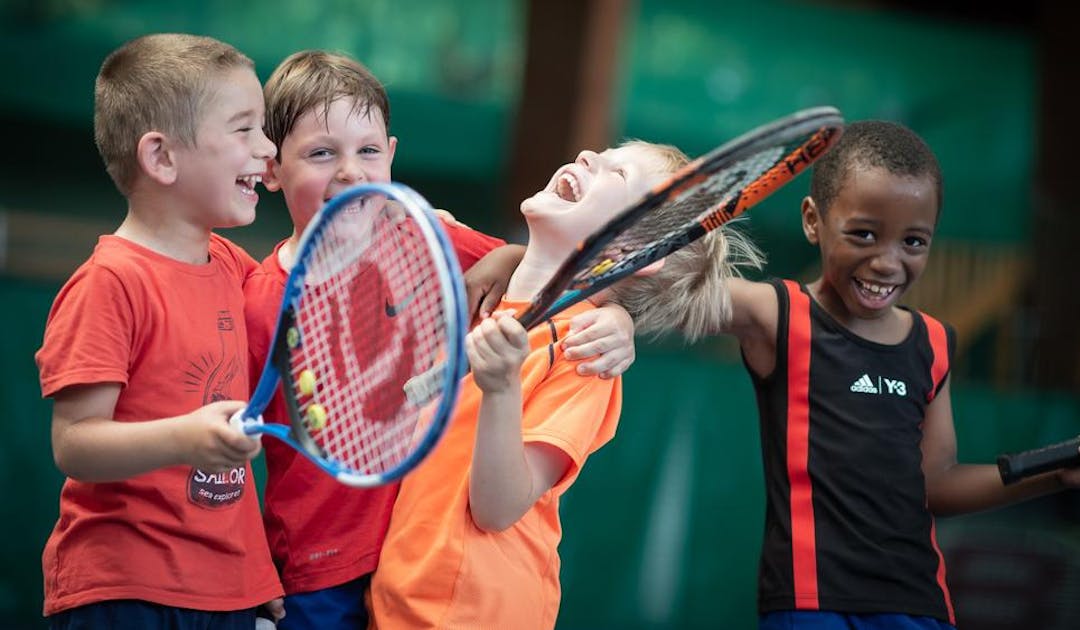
(375, 298)
(1018, 466)
(699, 198)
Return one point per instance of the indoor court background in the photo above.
(488, 97)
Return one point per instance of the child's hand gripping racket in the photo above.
(375, 298)
(1017, 466)
(699, 198)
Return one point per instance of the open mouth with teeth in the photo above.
(247, 184)
(874, 294)
(568, 188)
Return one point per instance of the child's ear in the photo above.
(391, 147)
(156, 157)
(270, 177)
(811, 220)
(650, 269)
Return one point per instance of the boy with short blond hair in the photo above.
(159, 520)
(473, 539)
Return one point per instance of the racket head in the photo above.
(375, 298)
(700, 197)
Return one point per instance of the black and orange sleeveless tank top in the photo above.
(847, 525)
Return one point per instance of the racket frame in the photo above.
(453, 367)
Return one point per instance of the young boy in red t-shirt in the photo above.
(159, 520)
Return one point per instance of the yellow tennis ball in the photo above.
(306, 382)
(316, 417)
(292, 337)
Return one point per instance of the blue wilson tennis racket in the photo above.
(375, 298)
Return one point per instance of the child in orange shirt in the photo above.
(474, 533)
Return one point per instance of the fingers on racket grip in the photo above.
(245, 427)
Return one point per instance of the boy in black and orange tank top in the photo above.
(857, 432)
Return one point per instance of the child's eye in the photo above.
(370, 151)
(861, 235)
(621, 172)
(319, 153)
(915, 241)
(245, 129)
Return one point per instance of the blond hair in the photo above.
(313, 79)
(159, 82)
(689, 293)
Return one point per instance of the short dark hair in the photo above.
(873, 143)
(155, 82)
(313, 79)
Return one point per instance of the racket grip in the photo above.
(245, 427)
(1017, 466)
(422, 388)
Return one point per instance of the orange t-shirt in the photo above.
(172, 334)
(322, 533)
(438, 569)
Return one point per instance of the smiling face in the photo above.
(216, 175)
(326, 152)
(585, 194)
(874, 239)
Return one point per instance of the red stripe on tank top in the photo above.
(939, 346)
(803, 537)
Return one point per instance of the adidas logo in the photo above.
(864, 385)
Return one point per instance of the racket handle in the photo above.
(246, 427)
(1017, 466)
(422, 388)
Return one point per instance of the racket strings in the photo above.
(666, 227)
(373, 318)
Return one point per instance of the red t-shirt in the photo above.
(172, 335)
(322, 533)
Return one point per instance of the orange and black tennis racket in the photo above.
(699, 198)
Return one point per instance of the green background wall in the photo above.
(662, 531)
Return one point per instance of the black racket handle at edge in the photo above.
(1025, 464)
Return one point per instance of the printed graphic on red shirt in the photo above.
(213, 376)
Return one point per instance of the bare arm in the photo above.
(754, 321)
(953, 488)
(485, 282)
(89, 445)
(507, 476)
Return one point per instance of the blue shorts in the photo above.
(827, 620)
(335, 607)
(133, 614)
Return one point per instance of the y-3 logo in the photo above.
(866, 385)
